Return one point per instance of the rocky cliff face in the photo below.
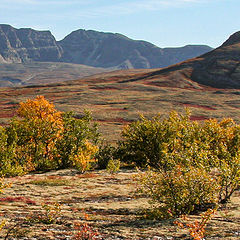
(91, 48)
(115, 50)
(26, 45)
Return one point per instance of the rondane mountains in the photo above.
(32, 57)
(117, 97)
(92, 48)
(219, 68)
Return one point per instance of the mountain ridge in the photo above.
(89, 47)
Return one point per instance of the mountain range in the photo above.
(209, 85)
(88, 47)
(219, 68)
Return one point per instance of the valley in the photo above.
(62, 203)
(115, 103)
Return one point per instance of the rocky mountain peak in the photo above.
(26, 45)
(88, 47)
(114, 50)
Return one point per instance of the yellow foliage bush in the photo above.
(84, 160)
(211, 148)
(42, 138)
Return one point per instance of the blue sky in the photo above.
(165, 23)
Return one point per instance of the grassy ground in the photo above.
(107, 203)
(114, 100)
(115, 103)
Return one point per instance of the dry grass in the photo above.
(109, 201)
(115, 103)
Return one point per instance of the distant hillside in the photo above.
(106, 50)
(33, 73)
(219, 68)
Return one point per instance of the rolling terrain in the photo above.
(115, 102)
(98, 199)
(117, 98)
(33, 73)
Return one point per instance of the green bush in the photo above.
(113, 165)
(152, 142)
(179, 191)
(105, 153)
(76, 132)
(8, 164)
(163, 144)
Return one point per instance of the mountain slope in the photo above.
(106, 50)
(25, 45)
(219, 68)
(97, 49)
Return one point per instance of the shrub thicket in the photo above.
(106, 153)
(42, 138)
(191, 164)
(179, 191)
(76, 139)
(210, 148)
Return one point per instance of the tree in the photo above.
(36, 129)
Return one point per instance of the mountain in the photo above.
(26, 45)
(114, 50)
(97, 49)
(219, 68)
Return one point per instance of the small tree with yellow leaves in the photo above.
(35, 132)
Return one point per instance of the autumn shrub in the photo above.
(224, 141)
(84, 232)
(179, 191)
(197, 228)
(34, 133)
(105, 153)
(84, 159)
(210, 147)
(78, 136)
(41, 138)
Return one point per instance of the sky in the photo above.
(165, 23)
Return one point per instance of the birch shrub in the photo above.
(165, 145)
(42, 138)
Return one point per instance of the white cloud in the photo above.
(96, 8)
(130, 7)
